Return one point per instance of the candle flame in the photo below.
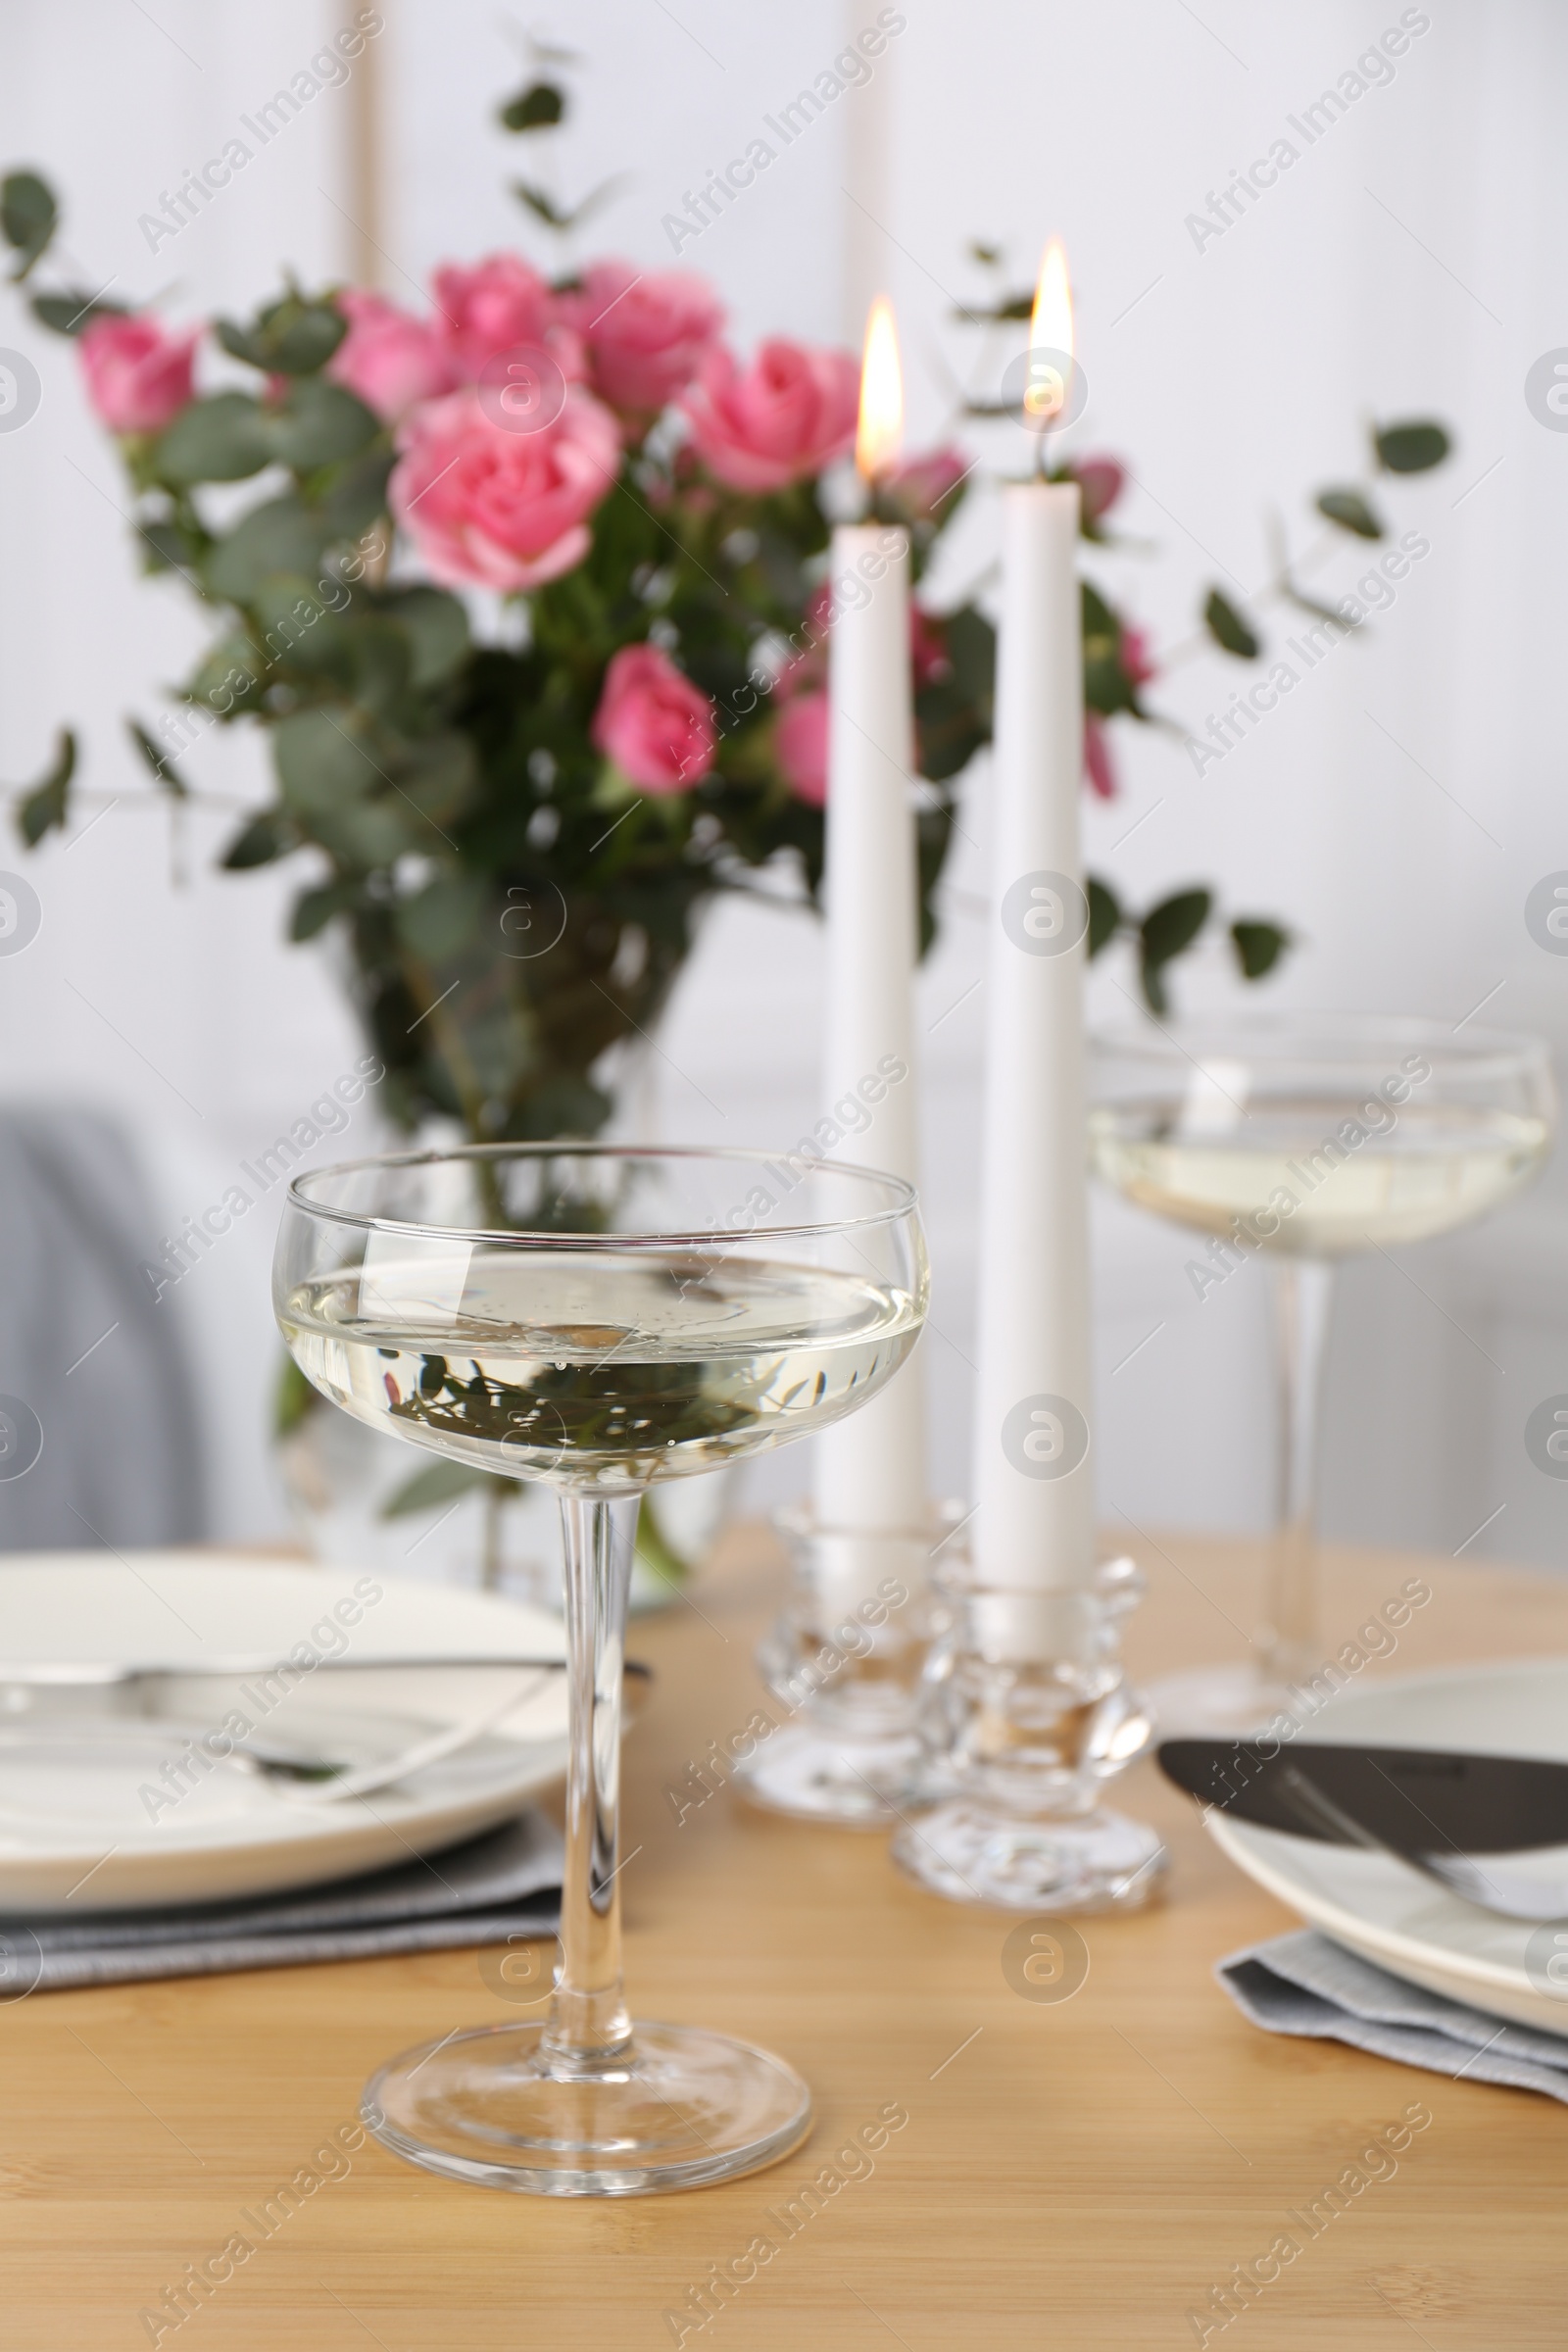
(880, 434)
(1048, 389)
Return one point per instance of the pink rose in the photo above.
(1136, 657)
(656, 725)
(800, 746)
(647, 335)
(918, 488)
(1098, 767)
(928, 647)
(497, 304)
(388, 359)
(138, 375)
(784, 418)
(504, 509)
(1101, 479)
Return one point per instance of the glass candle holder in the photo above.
(843, 1658)
(1027, 1715)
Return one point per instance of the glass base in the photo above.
(859, 1783)
(1216, 1702)
(1086, 1862)
(679, 2109)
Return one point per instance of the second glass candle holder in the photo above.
(844, 1658)
(1027, 1716)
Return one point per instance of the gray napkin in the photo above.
(506, 1882)
(1306, 1983)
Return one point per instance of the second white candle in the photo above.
(1034, 1479)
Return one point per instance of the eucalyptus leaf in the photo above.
(949, 730)
(437, 1482)
(654, 1550)
(357, 497)
(437, 627)
(1351, 510)
(28, 218)
(163, 770)
(221, 439)
(260, 841)
(972, 652)
(1105, 916)
(296, 624)
(437, 776)
(537, 108)
(293, 1399)
(544, 207)
(227, 676)
(1099, 620)
(1107, 687)
(320, 425)
(1012, 309)
(559, 1106)
(377, 658)
(300, 345)
(321, 764)
(72, 314)
(47, 806)
(165, 547)
(1411, 448)
(294, 336)
(315, 908)
(283, 535)
(366, 835)
(1228, 629)
(1258, 947)
(1167, 931)
(446, 917)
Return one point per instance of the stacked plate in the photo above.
(1393, 1915)
(214, 1779)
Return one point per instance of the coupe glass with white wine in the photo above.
(599, 1318)
(1304, 1138)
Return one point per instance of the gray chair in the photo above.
(99, 1444)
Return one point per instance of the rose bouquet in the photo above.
(517, 834)
(533, 601)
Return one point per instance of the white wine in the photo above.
(594, 1369)
(1289, 1175)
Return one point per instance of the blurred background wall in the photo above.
(1395, 812)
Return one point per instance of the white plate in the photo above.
(88, 1828)
(1393, 1915)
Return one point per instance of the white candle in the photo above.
(870, 1469)
(1034, 1477)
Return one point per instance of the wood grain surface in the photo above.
(1072, 2173)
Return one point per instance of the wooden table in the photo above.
(1071, 2175)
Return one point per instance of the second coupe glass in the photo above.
(1306, 1138)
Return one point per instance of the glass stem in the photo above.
(588, 2028)
(1304, 1293)
(495, 1501)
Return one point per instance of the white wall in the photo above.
(1406, 263)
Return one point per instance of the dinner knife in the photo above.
(1438, 1809)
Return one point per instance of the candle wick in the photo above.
(1042, 472)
